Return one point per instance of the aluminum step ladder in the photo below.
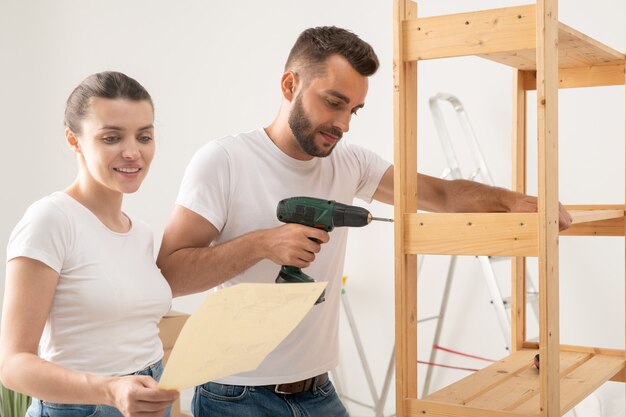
(378, 401)
(481, 174)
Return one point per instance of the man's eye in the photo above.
(332, 103)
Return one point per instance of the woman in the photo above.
(81, 281)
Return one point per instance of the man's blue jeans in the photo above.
(40, 408)
(218, 400)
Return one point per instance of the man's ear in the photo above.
(72, 140)
(288, 85)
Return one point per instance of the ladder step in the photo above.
(428, 319)
(531, 296)
(498, 258)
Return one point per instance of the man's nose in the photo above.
(343, 122)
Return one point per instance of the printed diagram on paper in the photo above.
(235, 329)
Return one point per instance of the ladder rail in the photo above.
(359, 346)
(452, 161)
(378, 402)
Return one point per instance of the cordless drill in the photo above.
(321, 214)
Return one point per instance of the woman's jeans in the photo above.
(40, 408)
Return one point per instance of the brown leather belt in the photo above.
(299, 386)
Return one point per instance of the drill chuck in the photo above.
(351, 216)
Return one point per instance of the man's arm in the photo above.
(191, 264)
(463, 196)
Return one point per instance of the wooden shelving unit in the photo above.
(546, 55)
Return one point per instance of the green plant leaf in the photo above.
(13, 404)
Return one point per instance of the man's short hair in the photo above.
(315, 45)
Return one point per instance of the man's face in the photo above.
(303, 131)
(322, 109)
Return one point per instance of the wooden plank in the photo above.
(595, 206)
(511, 386)
(609, 227)
(472, 386)
(593, 350)
(593, 76)
(518, 178)
(584, 216)
(523, 386)
(419, 408)
(522, 59)
(474, 33)
(577, 50)
(621, 376)
(496, 234)
(508, 36)
(590, 76)
(618, 377)
(576, 384)
(531, 345)
(612, 227)
(405, 200)
(548, 204)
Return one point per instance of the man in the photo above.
(224, 230)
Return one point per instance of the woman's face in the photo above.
(117, 143)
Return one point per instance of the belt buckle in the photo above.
(278, 391)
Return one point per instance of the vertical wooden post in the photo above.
(547, 134)
(405, 201)
(625, 195)
(518, 180)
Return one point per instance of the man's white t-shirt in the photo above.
(110, 294)
(236, 183)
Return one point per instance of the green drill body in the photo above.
(321, 214)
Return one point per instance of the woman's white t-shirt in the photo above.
(110, 295)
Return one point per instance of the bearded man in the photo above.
(224, 229)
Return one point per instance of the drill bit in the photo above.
(381, 219)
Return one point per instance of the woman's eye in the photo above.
(110, 139)
(144, 138)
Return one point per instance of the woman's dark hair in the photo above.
(315, 45)
(108, 84)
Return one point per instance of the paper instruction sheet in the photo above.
(235, 329)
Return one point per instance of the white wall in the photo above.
(213, 69)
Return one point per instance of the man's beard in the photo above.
(304, 133)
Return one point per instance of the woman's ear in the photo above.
(72, 140)
(288, 85)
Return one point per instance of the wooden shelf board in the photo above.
(512, 385)
(497, 234)
(594, 76)
(505, 35)
(584, 216)
(595, 221)
(579, 50)
(576, 50)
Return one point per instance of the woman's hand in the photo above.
(139, 395)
